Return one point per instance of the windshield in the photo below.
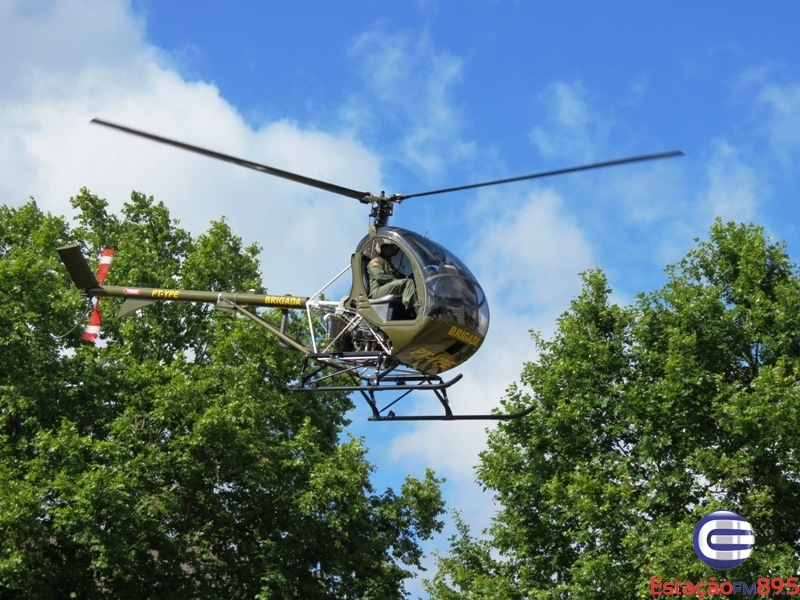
(451, 292)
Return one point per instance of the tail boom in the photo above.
(137, 297)
(145, 296)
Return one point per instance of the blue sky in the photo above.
(406, 97)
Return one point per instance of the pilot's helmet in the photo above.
(386, 244)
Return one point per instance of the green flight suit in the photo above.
(384, 280)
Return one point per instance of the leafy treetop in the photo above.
(648, 417)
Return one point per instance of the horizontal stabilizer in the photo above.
(78, 267)
(131, 305)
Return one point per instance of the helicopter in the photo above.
(369, 341)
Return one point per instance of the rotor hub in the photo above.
(382, 208)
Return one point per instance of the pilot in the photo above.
(384, 279)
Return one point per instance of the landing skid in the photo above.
(371, 372)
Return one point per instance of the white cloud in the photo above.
(531, 254)
(100, 65)
(733, 187)
(410, 83)
(783, 102)
(568, 128)
(45, 44)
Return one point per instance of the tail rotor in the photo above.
(92, 330)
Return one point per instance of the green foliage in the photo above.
(647, 418)
(170, 461)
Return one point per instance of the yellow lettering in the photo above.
(166, 294)
(462, 335)
(440, 361)
(283, 300)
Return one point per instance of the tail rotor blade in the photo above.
(92, 330)
(106, 258)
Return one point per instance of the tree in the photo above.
(170, 460)
(647, 418)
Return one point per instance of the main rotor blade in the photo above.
(322, 185)
(599, 165)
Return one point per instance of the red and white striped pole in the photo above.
(92, 330)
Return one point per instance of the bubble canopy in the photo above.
(449, 291)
